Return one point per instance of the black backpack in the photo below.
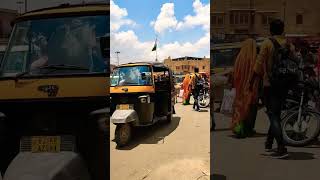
(198, 82)
(284, 69)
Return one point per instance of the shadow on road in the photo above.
(203, 110)
(218, 177)
(300, 156)
(297, 156)
(315, 144)
(222, 129)
(257, 135)
(152, 134)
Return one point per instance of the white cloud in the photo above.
(118, 17)
(201, 17)
(166, 19)
(132, 49)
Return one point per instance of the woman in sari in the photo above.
(186, 86)
(245, 102)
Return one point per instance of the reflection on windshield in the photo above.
(225, 57)
(1, 56)
(62, 41)
(131, 76)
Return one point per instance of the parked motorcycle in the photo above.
(301, 118)
(204, 96)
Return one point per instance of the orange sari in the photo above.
(186, 89)
(243, 71)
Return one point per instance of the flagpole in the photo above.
(156, 48)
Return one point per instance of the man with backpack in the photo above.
(277, 67)
(196, 87)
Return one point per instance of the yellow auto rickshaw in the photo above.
(142, 95)
(53, 81)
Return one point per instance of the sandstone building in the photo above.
(231, 18)
(184, 65)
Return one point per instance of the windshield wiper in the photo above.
(53, 68)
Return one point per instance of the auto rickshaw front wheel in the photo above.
(123, 134)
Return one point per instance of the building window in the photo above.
(203, 67)
(231, 18)
(236, 18)
(266, 19)
(177, 67)
(217, 19)
(220, 20)
(214, 20)
(299, 19)
(239, 18)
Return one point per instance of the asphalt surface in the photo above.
(176, 151)
(244, 159)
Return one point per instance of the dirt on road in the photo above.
(178, 151)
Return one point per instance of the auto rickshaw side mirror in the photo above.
(105, 46)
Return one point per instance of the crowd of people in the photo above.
(191, 86)
(257, 75)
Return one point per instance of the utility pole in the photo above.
(284, 11)
(251, 4)
(25, 6)
(156, 48)
(118, 52)
(19, 3)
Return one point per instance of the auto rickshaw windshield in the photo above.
(71, 41)
(132, 76)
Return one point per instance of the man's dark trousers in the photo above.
(195, 97)
(274, 99)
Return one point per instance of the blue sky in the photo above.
(136, 17)
(147, 10)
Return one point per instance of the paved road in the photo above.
(235, 159)
(178, 151)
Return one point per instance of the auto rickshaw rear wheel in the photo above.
(123, 134)
(169, 116)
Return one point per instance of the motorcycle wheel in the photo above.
(303, 135)
(203, 101)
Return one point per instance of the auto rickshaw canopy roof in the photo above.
(67, 10)
(153, 64)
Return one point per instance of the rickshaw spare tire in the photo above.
(123, 134)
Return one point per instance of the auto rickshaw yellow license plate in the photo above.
(45, 144)
(124, 107)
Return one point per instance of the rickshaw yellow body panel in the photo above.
(132, 89)
(68, 87)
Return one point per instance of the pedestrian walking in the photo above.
(245, 103)
(196, 86)
(186, 86)
(274, 56)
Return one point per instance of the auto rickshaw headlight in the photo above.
(144, 99)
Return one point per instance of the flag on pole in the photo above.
(155, 46)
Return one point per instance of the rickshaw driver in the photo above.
(128, 78)
(43, 58)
